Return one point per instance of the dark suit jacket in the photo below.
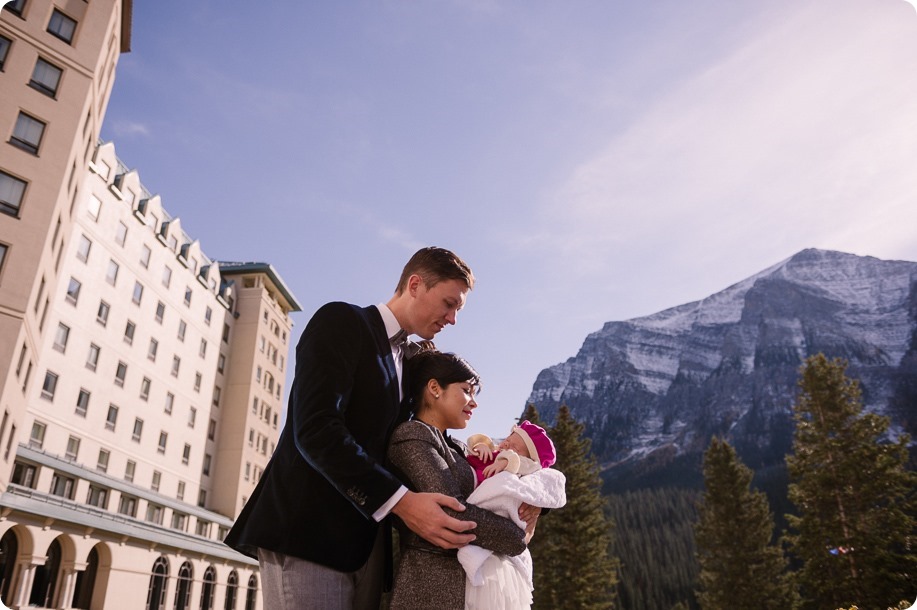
(327, 477)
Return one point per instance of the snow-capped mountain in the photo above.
(659, 386)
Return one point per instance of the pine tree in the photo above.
(855, 532)
(740, 568)
(573, 567)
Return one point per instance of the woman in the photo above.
(442, 387)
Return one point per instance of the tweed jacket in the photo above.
(428, 576)
(327, 477)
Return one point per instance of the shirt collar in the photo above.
(388, 318)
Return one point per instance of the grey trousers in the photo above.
(290, 583)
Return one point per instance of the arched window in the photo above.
(252, 593)
(232, 584)
(85, 582)
(210, 579)
(42, 594)
(9, 548)
(183, 590)
(159, 581)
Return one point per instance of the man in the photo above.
(313, 521)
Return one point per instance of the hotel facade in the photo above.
(140, 380)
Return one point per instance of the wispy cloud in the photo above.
(802, 134)
(126, 129)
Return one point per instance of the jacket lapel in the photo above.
(384, 349)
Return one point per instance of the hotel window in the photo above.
(49, 386)
(120, 374)
(61, 26)
(27, 133)
(251, 437)
(24, 474)
(129, 470)
(92, 360)
(151, 352)
(255, 404)
(166, 276)
(5, 44)
(45, 77)
(163, 439)
(102, 462)
(197, 382)
(82, 251)
(206, 468)
(180, 522)
(248, 470)
(216, 396)
(182, 327)
(180, 494)
(3, 250)
(192, 417)
(202, 501)
(208, 314)
(186, 454)
(160, 311)
(73, 448)
(221, 363)
(11, 192)
(203, 351)
(129, 329)
(102, 314)
(258, 374)
(62, 486)
(127, 506)
(262, 343)
(98, 497)
(111, 419)
(154, 513)
(138, 293)
(61, 337)
(121, 234)
(226, 334)
(145, 389)
(170, 402)
(37, 437)
(15, 7)
(176, 364)
(212, 430)
(73, 291)
(137, 432)
(94, 207)
(203, 529)
(111, 275)
(157, 479)
(188, 295)
(82, 402)
(145, 253)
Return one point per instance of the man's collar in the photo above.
(388, 318)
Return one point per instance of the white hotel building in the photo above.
(140, 381)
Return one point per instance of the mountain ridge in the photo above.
(654, 388)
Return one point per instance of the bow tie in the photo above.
(400, 338)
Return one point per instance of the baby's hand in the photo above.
(484, 453)
(492, 469)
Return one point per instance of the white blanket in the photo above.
(502, 494)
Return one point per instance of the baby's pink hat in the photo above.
(537, 442)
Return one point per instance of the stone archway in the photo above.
(45, 581)
(9, 550)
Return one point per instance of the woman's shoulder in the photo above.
(415, 430)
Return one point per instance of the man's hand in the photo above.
(529, 514)
(423, 513)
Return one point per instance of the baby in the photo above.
(527, 449)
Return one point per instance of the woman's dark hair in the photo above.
(444, 367)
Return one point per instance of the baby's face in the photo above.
(514, 442)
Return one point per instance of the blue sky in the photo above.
(591, 160)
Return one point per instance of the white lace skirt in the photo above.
(504, 588)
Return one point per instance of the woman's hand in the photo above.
(532, 512)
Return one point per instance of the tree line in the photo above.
(849, 538)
